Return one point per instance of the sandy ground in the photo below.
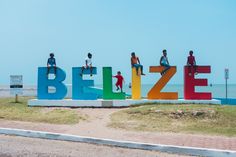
(96, 126)
(11, 146)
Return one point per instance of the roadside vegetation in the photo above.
(9, 110)
(200, 119)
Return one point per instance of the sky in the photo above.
(111, 30)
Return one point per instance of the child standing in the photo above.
(164, 62)
(88, 65)
(51, 63)
(191, 63)
(120, 80)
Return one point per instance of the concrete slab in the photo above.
(112, 103)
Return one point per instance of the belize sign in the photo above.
(82, 98)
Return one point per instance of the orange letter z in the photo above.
(155, 92)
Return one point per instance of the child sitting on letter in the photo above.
(135, 62)
(51, 63)
(120, 80)
(191, 63)
(164, 62)
(88, 65)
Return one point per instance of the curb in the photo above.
(125, 144)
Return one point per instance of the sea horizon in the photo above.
(217, 90)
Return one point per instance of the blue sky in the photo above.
(111, 30)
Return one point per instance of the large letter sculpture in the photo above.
(79, 85)
(155, 92)
(136, 84)
(44, 84)
(107, 85)
(190, 82)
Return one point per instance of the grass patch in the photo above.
(9, 110)
(201, 119)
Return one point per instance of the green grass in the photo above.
(21, 112)
(212, 119)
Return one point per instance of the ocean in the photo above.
(217, 90)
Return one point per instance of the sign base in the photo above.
(112, 103)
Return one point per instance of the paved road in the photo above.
(12, 146)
